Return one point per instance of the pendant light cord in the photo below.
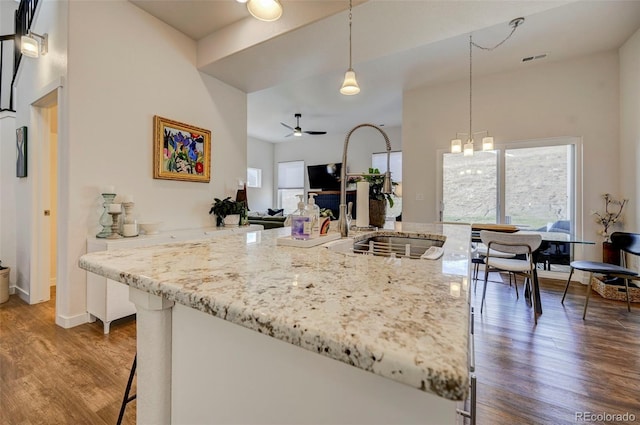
(350, 17)
(470, 86)
(514, 24)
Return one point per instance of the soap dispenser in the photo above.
(312, 210)
(300, 222)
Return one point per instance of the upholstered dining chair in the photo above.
(510, 243)
(627, 243)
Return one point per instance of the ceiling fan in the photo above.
(297, 131)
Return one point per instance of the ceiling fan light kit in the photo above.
(264, 10)
(297, 130)
(350, 84)
(487, 141)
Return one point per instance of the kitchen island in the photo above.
(324, 336)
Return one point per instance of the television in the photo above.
(324, 176)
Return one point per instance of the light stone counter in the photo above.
(404, 319)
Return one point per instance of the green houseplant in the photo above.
(377, 199)
(222, 208)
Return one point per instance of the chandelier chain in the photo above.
(514, 26)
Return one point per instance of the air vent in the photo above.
(533, 58)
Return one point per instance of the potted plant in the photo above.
(612, 214)
(377, 199)
(227, 211)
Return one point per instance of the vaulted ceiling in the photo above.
(296, 64)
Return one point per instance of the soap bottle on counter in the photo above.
(312, 210)
(300, 222)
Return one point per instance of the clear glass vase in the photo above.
(105, 219)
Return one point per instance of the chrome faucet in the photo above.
(386, 187)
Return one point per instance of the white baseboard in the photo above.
(24, 295)
(72, 321)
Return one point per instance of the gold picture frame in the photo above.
(180, 151)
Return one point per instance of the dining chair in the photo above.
(628, 243)
(511, 243)
(479, 253)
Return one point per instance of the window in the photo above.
(290, 184)
(469, 187)
(531, 185)
(254, 177)
(379, 161)
(537, 186)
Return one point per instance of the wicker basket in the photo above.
(615, 289)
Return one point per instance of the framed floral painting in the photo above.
(180, 151)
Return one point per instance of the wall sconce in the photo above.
(34, 45)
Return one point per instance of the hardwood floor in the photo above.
(51, 375)
(527, 374)
(545, 374)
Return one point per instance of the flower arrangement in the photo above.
(612, 214)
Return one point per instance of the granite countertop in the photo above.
(404, 319)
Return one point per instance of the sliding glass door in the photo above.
(529, 186)
(538, 187)
(470, 187)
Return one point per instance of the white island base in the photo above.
(215, 372)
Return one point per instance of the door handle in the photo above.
(47, 213)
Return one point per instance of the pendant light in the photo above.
(350, 85)
(487, 141)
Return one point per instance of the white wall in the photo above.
(260, 155)
(7, 194)
(576, 97)
(124, 67)
(630, 130)
(36, 78)
(328, 148)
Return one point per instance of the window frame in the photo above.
(279, 188)
(576, 177)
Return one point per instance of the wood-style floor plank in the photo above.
(51, 375)
(527, 373)
(545, 373)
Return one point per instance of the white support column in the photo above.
(153, 323)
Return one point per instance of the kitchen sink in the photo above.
(394, 245)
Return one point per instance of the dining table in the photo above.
(548, 239)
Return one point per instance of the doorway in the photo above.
(44, 267)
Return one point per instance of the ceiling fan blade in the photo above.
(315, 133)
(289, 135)
(288, 126)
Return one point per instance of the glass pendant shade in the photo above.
(350, 85)
(456, 146)
(487, 143)
(297, 132)
(468, 148)
(29, 46)
(265, 10)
